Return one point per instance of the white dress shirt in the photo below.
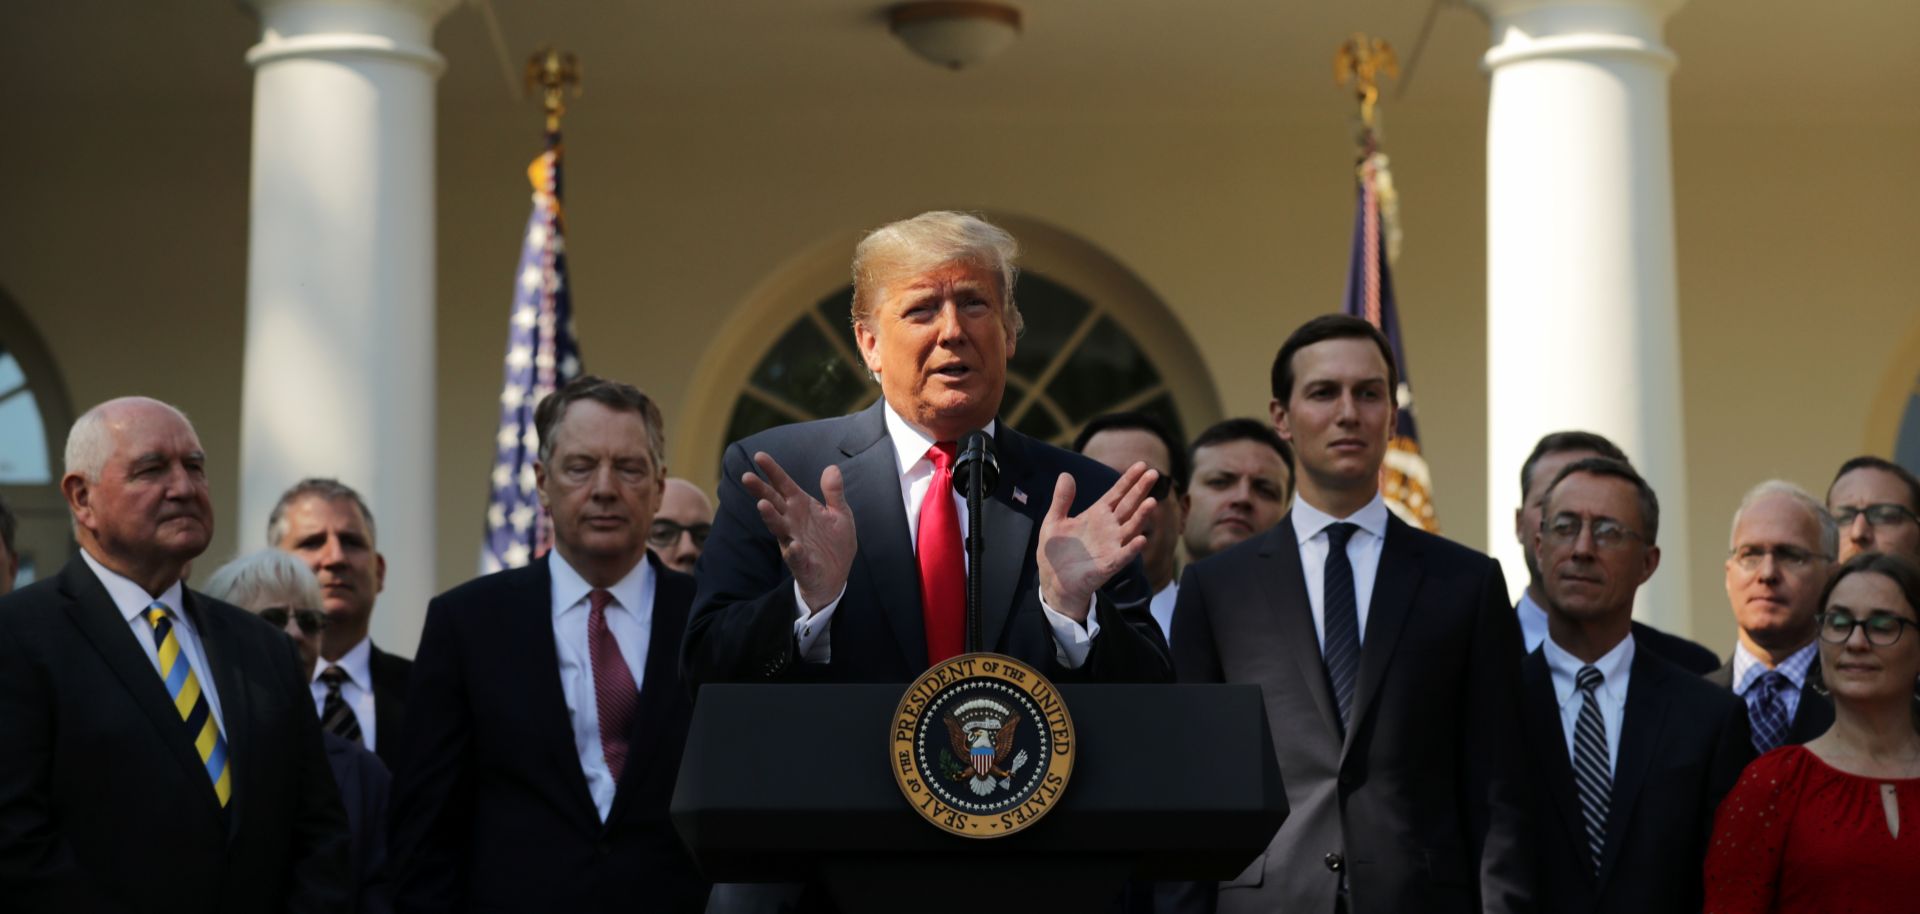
(630, 619)
(1072, 642)
(357, 691)
(1747, 670)
(1162, 607)
(132, 600)
(1533, 622)
(1615, 669)
(1363, 552)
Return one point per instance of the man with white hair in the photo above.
(787, 590)
(1782, 544)
(160, 750)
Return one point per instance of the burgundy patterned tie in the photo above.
(614, 693)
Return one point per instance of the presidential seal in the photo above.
(982, 745)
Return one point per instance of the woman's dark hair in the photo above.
(1904, 574)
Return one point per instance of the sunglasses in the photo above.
(666, 533)
(309, 620)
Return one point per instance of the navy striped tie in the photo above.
(1592, 770)
(1342, 620)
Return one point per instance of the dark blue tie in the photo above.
(1342, 620)
(1769, 709)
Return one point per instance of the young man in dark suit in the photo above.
(1630, 754)
(160, 752)
(359, 690)
(547, 712)
(787, 591)
(1387, 658)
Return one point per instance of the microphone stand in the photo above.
(977, 471)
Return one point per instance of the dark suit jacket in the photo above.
(104, 802)
(1683, 744)
(742, 627)
(491, 810)
(1688, 655)
(1815, 712)
(1421, 801)
(390, 673)
(364, 787)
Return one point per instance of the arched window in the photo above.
(1073, 362)
(34, 416)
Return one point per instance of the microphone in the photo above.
(975, 472)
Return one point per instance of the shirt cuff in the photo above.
(812, 633)
(1072, 642)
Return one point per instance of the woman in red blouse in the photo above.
(1834, 825)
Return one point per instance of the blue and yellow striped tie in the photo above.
(184, 686)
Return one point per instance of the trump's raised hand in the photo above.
(1079, 554)
(816, 538)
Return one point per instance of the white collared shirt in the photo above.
(1747, 670)
(630, 620)
(1533, 622)
(357, 691)
(1615, 669)
(1363, 552)
(1162, 608)
(1072, 642)
(132, 600)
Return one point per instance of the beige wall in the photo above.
(125, 242)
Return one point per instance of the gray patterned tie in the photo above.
(1342, 620)
(1592, 773)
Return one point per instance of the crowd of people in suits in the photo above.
(247, 748)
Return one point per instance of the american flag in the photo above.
(542, 354)
(1405, 483)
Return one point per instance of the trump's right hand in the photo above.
(816, 540)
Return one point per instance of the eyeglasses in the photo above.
(1885, 514)
(309, 620)
(1563, 529)
(665, 533)
(1836, 627)
(1791, 558)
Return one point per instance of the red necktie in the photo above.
(614, 694)
(943, 569)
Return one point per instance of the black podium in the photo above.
(790, 783)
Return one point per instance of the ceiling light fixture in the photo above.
(955, 34)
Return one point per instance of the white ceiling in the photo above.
(1740, 59)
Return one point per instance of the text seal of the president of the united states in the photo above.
(982, 745)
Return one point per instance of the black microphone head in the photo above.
(976, 458)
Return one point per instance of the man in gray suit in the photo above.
(1387, 656)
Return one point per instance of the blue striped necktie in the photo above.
(1592, 769)
(1341, 620)
(184, 687)
(1770, 721)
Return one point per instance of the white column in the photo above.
(338, 375)
(1582, 320)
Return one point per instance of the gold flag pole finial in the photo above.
(553, 73)
(1363, 61)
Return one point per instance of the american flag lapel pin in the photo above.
(1019, 495)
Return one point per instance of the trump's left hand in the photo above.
(1080, 554)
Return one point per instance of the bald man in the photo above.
(681, 526)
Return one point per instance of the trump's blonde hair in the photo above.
(909, 248)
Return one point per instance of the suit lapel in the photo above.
(1293, 617)
(218, 642)
(648, 734)
(1009, 532)
(872, 477)
(1548, 736)
(1641, 728)
(1815, 712)
(99, 620)
(528, 618)
(1394, 583)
